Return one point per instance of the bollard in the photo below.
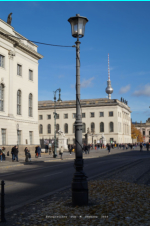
(2, 202)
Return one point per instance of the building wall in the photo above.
(24, 54)
(121, 134)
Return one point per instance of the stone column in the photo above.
(11, 55)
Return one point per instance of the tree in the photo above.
(135, 133)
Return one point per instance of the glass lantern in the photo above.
(78, 25)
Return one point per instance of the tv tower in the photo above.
(109, 89)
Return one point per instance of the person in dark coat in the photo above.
(147, 146)
(27, 154)
(39, 151)
(141, 146)
(108, 147)
(15, 153)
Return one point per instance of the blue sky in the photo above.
(121, 29)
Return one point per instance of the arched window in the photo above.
(92, 127)
(30, 104)
(83, 128)
(101, 127)
(48, 128)
(19, 102)
(40, 129)
(73, 127)
(1, 97)
(57, 128)
(66, 128)
(111, 127)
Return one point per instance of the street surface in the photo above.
(26, 182)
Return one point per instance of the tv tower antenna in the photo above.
(109, 89)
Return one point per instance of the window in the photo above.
(110, 113)
(143, 133)
(48, 116)
(101, 114)
(1, 97)
(101, 127)
(57, 128)
(92, 115)
(19, 102)
(40, 117)
(92, 127)
(111, 127)
(19, 69)
(48, 128)
(83, 115)
(40, 129)
(111, 140)
(65, 115)
(31, 75)
(66, 128)
(30, 104)
(2, 61)
(3, 136)
(19, 136)
(83, 128)
(73, 127)
(31, 137)
(74, 115)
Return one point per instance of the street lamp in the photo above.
(55, 114)
(79, 182)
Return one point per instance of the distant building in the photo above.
(110, 117)
(144, 128)
(18, 89)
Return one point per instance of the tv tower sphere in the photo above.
(109, 89)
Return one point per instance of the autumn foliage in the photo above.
(135, 133)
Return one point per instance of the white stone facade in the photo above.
(17, 57)
(121, 119)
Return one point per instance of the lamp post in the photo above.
(55, 114)
(79, 182)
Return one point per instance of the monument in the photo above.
(62, 141)
(103, 139)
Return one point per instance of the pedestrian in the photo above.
(15, 153)
(36, 154)
(61, 152)
(27, 154)
(147, 146)
(39, 151)
(108, 147)
(141, 146)
(88, 148)
(46, 148)
(1, 154)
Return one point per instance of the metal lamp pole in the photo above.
(55, 114)
(79, 182)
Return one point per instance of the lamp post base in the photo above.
(79, 189)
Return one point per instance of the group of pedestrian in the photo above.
(86, 148)
(2, 154)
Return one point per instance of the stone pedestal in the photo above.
(62, 141)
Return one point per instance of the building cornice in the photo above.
(19, 45)
(45, 105)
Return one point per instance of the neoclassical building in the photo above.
(18, 88)
(144, 129)
(110, 117)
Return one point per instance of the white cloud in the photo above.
(143, 91)
(87, 83)
(125, 89)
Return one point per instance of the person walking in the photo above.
(1, 154)
(27, 154)
(39, 151)
(70, 149)
(147, 146)
(15, 153)
(108, 147)
(141, 146)
(61, 152)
